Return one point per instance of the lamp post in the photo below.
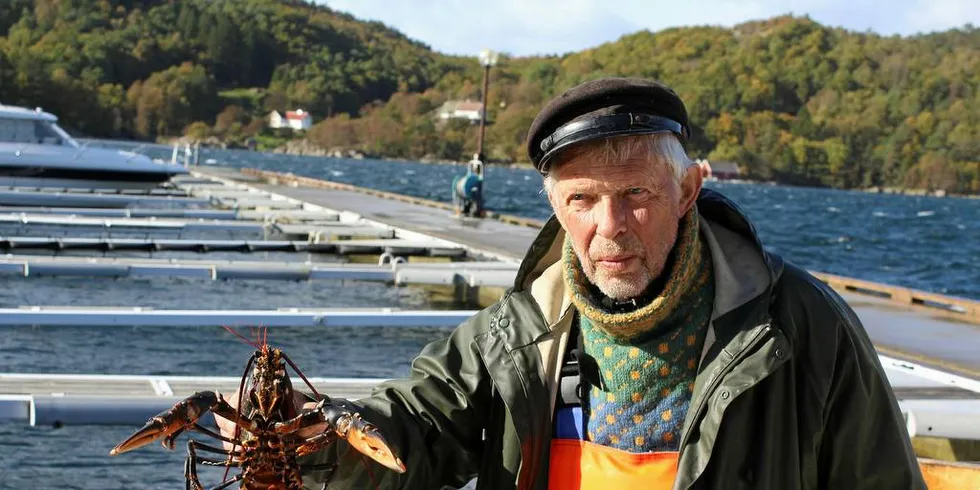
(488, 59)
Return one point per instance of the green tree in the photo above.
(170, 100)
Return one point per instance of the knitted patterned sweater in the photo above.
(648, 355)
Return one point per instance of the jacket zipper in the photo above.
(760, 336)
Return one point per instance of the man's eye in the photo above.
(577, 196)
(636, 190)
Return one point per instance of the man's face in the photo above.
(622, 218)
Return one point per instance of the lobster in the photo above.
(266, 441)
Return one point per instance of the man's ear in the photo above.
(553, 201)
(690, 188)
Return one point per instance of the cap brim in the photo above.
(601, 127)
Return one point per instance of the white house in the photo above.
(719, 170)
(461, 109)
(298, 120)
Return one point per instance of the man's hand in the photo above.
(227, 427)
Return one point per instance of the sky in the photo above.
(530, 27)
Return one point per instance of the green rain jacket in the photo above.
(789, 393)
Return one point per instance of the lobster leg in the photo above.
(191, 481)
(204, 430)
(170, 423)
(200, 446)
(226, 484)
(316, 443)
(347, 424)
(192, 460)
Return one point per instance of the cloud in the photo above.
(941, 15)
(525, 27)
(518, 27)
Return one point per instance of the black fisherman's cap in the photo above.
(605, 108)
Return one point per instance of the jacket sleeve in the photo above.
(434, 420)
(865, 443)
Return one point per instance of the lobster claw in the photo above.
(343, 420)
(366, 438)
(169, 422)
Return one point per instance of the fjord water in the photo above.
(925, 243)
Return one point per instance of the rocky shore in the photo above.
(306, 148)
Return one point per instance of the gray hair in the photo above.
(661, 148)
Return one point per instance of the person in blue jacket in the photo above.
(468, 190)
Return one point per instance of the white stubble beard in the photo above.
(623, 286)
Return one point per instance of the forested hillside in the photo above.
(150, 68)
(787, 98)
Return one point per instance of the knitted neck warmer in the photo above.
(647, 356)
(680, 273)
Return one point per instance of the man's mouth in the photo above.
(615, 262)
(614, 258)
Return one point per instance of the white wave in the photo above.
(923, 214)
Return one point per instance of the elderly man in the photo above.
(649, 341)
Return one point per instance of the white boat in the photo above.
(36, 152)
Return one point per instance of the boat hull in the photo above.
(31, 165)
(80, 178)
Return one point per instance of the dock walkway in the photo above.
(494, 238)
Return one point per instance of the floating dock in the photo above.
(397, 272)
(928, 343)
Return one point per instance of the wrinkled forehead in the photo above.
(598, 169)
(640, 151)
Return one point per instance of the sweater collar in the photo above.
(627, 320)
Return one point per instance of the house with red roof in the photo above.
(298, 120)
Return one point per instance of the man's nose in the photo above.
(611, 219)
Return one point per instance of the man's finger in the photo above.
(227, 427)
(312, 430)
(303, 404)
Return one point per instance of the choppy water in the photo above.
(921, 242)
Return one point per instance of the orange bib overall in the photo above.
(577, 464)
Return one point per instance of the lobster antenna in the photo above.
(247, 341)
(238, 408)
(301, 375)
